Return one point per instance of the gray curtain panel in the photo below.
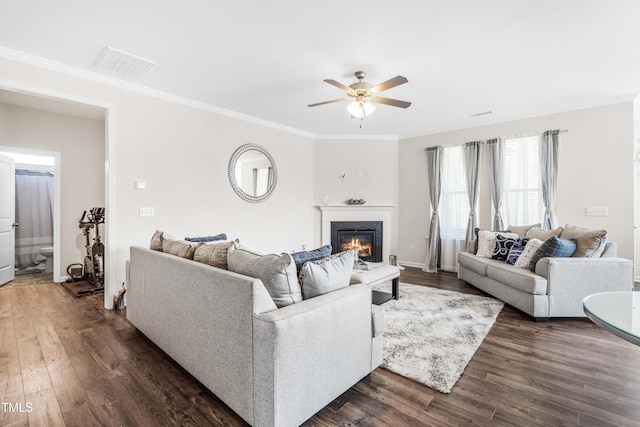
(472, 156)
(549, 176)
(34, 213)
(434, 173)
(495, 151)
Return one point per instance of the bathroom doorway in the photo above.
(37, 215)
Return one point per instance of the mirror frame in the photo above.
(232, 173)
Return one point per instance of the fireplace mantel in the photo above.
(359, 213)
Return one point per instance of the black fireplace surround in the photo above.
(362, 236)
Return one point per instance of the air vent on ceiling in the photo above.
(484, 113)
(123, 64)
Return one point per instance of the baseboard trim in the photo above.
(411, 264)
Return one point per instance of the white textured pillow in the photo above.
(327, 275)
(486, 243)
(529, 251)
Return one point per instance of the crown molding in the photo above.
(137, 88)
(359, 137)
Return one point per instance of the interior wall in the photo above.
(350, 168)
(80, 143)
(182, 152)
(595, 170)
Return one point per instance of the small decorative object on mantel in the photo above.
(356, 202)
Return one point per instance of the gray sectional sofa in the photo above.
(272, 366)
(556, 288)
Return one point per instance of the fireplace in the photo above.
(362, 236)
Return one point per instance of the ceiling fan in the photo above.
(364, 94)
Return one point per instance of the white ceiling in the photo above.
(267, 59)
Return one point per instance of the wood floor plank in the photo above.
(79, 364)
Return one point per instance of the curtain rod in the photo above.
(493, 140)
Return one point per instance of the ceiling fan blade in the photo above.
(338, 85)
(396, 81)
(327, 102)
(389, 101)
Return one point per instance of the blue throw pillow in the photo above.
(553, 247)
(503, 246)
(315, 255)
(206, 239)
(516, 251)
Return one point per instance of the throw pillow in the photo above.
(487, 242)
(305, 256)
(521, 230)
(540, 234)
(516, 250)
(179, 248)
(277, 272)
(207, 239)
(503, 246)
(553, 247)
(156, 241)
(529, 250)
(588, 242)
(214, 254)
(327, 275)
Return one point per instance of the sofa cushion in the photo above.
(277, 273)
(327, 275)
(588, 242)
(475, 263)
(214, 254)
(521, 230)
(540, 234)
(516, 250)
(529, 251)
(503, 246)
(305, 256)
(518, 278)
(179, 248)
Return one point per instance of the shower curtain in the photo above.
(34, 213)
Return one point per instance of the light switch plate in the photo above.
(597, 211)
(145, 212)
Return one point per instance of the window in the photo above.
(454, 202)
(522, 200)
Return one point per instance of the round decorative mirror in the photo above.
(252, 173)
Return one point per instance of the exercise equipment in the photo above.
(90, 273)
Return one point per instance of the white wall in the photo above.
(80, 143)
(595, 169)
(182, 153)
(370, 166)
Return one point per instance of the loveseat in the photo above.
(272, 366)
(554, 286)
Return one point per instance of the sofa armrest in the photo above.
(307, 354)
(570, 280)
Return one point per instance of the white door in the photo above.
(7, 219)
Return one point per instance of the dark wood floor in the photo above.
(68, 362)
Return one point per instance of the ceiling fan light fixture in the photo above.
(361, 109)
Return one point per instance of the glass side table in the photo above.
(616, 312)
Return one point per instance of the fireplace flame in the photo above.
(355, 245)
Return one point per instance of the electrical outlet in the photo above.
(597, 211)
(412, 249)
(145, 212)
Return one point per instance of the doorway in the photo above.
(38, 97)
(31, 165)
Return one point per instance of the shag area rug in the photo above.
(431, 334)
